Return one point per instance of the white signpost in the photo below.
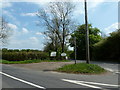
(53, 54)
(63, 54)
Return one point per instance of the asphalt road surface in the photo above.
(16, 77)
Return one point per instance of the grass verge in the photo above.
(82, 68)
(30, 61)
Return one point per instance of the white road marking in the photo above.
(85, 83)
(111, 70)
(76, 82)
(99, 83)
(15, 78)
(117, 72)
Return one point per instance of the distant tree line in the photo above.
(25, 54)
(20, 50)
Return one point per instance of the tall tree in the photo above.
(4, 30)
(58, 22)
(108, 49)
(94, 35)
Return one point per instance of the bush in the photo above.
(71, 55)
(15, 55)
(108, 49)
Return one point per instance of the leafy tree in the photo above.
(94, 36)
(108, 48)
(58, 22)
(49, 47)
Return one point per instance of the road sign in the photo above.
(63, 54)
(53, 54)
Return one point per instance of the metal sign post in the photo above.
(75, 48)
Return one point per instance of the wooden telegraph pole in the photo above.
(87, 35)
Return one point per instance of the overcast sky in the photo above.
(22, 18)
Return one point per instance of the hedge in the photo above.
(108, 49)
(12, 55)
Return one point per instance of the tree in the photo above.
(58, 22)
(80, 38)
(4, 30)
(49, 47)
(108, 48)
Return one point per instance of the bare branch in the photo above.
(57, 20)
(4, 31)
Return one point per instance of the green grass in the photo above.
(82, 68)
(30, 61)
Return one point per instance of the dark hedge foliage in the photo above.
(109, 48)
(20, 55)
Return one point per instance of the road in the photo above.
(16, 77)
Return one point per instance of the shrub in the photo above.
(15, 55)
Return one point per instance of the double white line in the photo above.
(114, 71)
(21, 80)
(84, 83)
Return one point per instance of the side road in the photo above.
(42, 66)
(47, 66)
(17, 77)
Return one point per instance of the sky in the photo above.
(21, 17)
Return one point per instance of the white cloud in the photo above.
(28, 0)
(7, 13)
(43, 1)
(39, 33)
(92, 4)
(29, 14)
(17, 40)
(95, 3)
(36, 22)
(10, 16)
(33, 39)
(24, 30)
(6, 4)
(29, 43)
(111, 28)
(12, 26)
(79, 9)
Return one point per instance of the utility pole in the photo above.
(87, 35)
(75, 49)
